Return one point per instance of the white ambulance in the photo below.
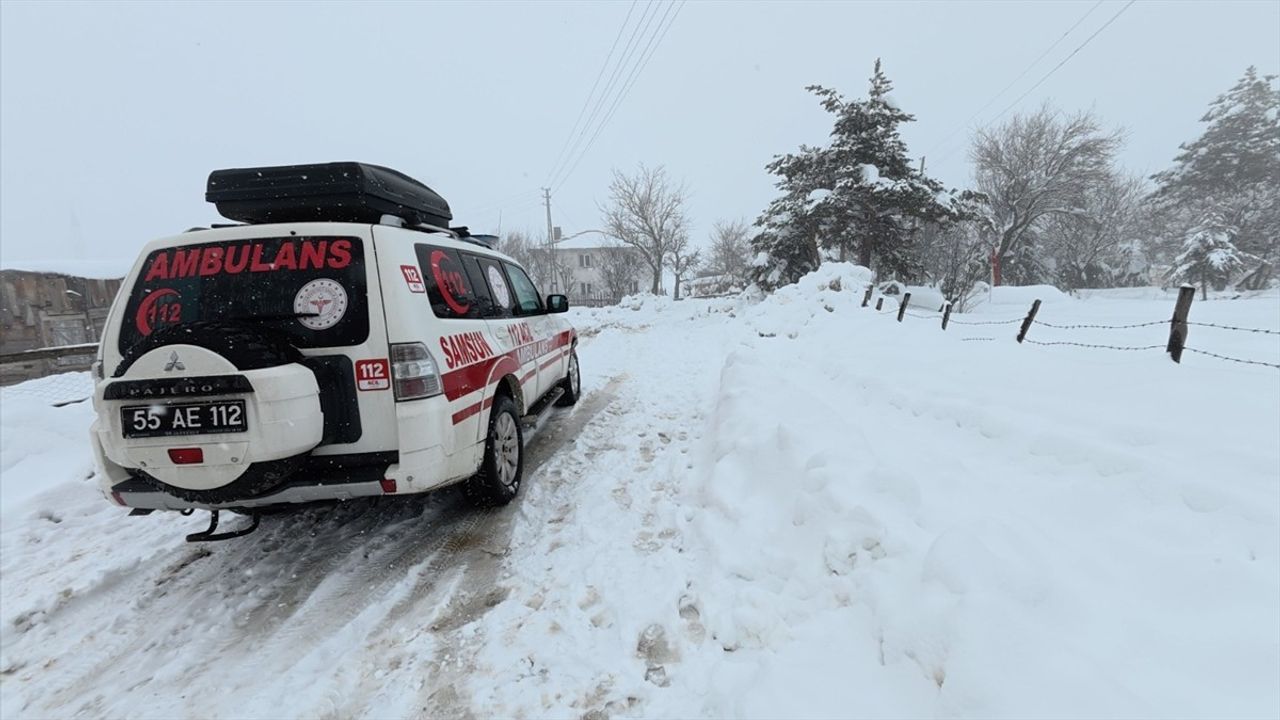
(338, 341)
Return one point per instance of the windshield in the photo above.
(311, 288)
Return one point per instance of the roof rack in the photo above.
(336, 192)
(486, 241)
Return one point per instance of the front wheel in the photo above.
(503, 466)
(572, 383)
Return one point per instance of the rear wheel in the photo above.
(572, 382)
(503, 466)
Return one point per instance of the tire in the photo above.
(500, 473)
(572, 382)
(248, 348)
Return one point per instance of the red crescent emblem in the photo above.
(448, 281)
(147, 309)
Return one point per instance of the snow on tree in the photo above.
(1233, 168)
(1085, 245)
(1032, 168)
(860, 194)
(1208, 256)
(786, 248)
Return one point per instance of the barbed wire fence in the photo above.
(1176, 345)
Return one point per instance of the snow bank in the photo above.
(887, 534)
(44, 450)
(1007, 297)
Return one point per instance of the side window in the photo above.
(489, 274)
(449, 289)
(480, 287)
(527, 300)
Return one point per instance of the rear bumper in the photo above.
(334, 477)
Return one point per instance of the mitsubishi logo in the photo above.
(174, 363)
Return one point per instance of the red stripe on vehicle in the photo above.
(466, 412)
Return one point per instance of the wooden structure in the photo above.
(45, 310)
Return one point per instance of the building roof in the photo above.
(591, 241)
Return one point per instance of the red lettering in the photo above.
(257, 264)
(159, 268)
(471, 346)
(312, 255)
(448, 354)
(341, 254)
(231, 266)
(487, 350)
(185, 263)
(286, 257)
(211, 261)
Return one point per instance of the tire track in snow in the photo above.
(288, 587)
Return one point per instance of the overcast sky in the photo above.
(112, 115)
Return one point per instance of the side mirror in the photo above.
(557, 303)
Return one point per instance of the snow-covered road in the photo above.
(793, 507)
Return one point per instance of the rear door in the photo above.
(510, 329)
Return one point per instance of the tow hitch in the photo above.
(211, 536)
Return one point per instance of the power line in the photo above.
(560, 157)
(655, 41)
(1052, 71)
(1064, 61)
(1013, 82)
(641, 27)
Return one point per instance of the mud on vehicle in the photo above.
(338, 340)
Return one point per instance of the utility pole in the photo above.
(921, 164)
(551, 246)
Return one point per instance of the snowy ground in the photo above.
(795, 507)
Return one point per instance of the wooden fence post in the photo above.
(867, 297)
(879, 303)
(902, 309)
(1026, 323)
(946, 315)
(1178, 326)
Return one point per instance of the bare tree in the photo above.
(620, 268)
(530, 253)
(729, 249)
(1039, 165)
(1085, 244)
(684, 260)
(955, 252)
(646, 211)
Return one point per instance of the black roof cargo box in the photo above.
(336, 192)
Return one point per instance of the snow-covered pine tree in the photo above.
(859, 195)
(1209, 257)
(787, 245)
(879, 198)
(1233, 169)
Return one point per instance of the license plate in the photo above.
(204, 418)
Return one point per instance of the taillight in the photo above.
(186, 456)
(414, 371)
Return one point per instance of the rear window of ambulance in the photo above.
(263, 282)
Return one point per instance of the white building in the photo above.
(579, 260)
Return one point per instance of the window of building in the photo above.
(584, 260)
